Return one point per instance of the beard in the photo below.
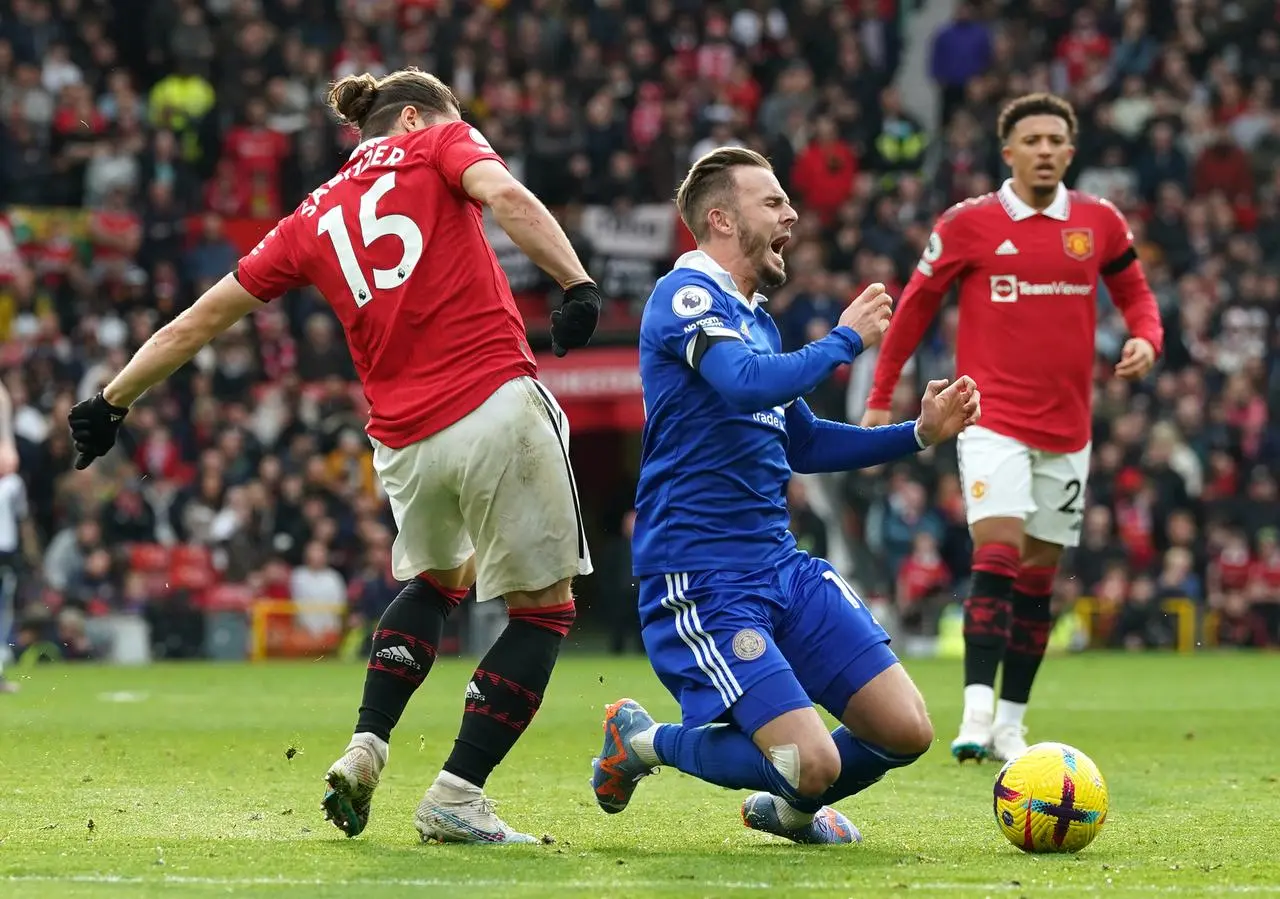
(756, 248)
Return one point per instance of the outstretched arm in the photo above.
(816, 445)
(751, 382)
(174, 345)
(942, 262)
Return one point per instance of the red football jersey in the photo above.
(399, 251)
(1232, 568)
(1028, 308)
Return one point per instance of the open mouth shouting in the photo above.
(775, 248)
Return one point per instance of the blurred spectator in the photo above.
(924, 586)
(961, 51)
(317, 588)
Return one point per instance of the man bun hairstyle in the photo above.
(709, 184)
(372, 104)
(352, 98)
(1035, 104)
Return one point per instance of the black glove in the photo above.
(575, 321)
(94, 426)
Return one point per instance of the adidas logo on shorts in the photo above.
(473, 692)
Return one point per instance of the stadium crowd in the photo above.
(152, 123)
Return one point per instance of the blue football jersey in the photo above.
(714, 465)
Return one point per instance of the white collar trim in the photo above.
(1059, 209)
(701, 262)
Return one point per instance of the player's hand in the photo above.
(875, 418)
(945, 410)
(1136, 359)
(869, 314)
(575, 321)
(94, 426)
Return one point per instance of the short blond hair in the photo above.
(372, 104)
(710, 184)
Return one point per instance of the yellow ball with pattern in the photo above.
(1052, 798)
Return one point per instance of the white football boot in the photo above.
(1008, 741)
(449, 814)
(352, 780)
(974, 740)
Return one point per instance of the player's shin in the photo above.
(722, 755)
(861, 765)
(506, 691)
(404, 648)
(986, 624)
(1028, 640)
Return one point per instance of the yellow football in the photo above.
(1052, 798)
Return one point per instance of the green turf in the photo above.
(182, 770)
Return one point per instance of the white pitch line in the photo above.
(909, 885)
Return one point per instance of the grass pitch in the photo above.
(183, 772)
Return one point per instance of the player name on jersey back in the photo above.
(398, 249)
(379, 154)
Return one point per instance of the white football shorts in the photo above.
(498, 484)
(1004, 478)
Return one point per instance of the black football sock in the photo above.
(506, 690)
(986, 611)
(1029, 635)
(404, 648)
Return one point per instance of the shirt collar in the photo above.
(1059, 209)
(701, 262)
(364, 145)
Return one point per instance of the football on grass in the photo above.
(1052, 798)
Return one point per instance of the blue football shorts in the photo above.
(745, 647)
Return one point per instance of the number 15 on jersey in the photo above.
(372, 227)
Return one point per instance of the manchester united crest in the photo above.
(978, 490)
(1078, 243)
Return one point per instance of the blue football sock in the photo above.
(720, 754)
(861, 765)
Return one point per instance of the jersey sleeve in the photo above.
(695, 326)
(693, 320)
(1126, 280)
(815, 445)
(271, 268)
(945, 258)
(460, 146)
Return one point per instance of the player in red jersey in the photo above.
(471, 450)
(1026, 260)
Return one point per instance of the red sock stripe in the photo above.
(414, 677)
(454, 594)
(557, 619)
(487, 711)
(1036, 581)
(986, 617)
(997, 558)
(484, 678)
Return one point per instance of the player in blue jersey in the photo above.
(745, 630)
